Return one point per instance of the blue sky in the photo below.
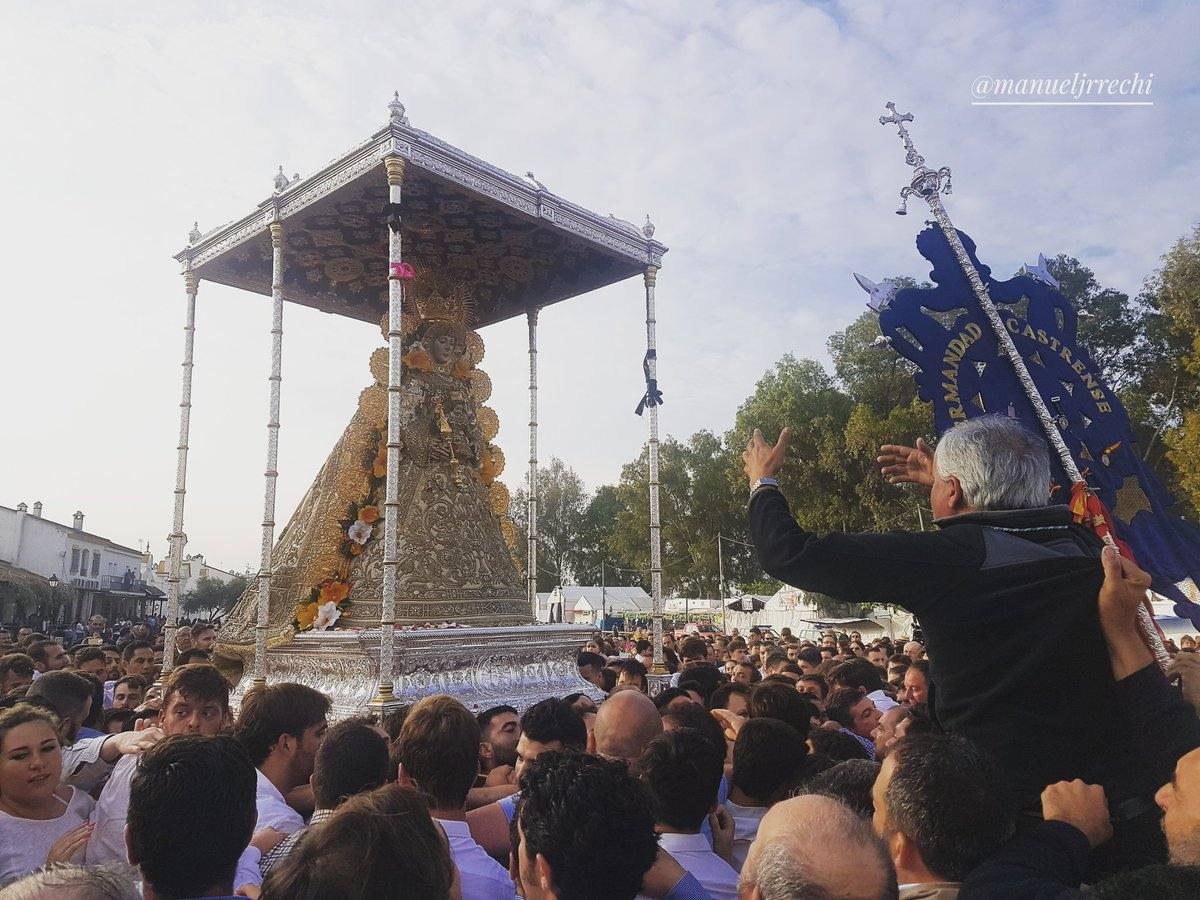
(748, 130)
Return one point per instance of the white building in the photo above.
(96, 576)
(191, 569)
(584, 605)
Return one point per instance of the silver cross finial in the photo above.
(648, 228)
(926, 183)
(281, 180)
(194, 235)
(396, 110)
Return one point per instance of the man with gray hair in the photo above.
(1005, 589)
(813, 846)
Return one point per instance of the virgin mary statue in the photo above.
(456, 544)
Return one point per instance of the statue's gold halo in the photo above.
(481, 386)
(379, 365)
(475, 348)
(489, 422)
(499, 498)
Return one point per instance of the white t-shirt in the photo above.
(482, 877)
(107, 843)
(24, 843)
(273, 810)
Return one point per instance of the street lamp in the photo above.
(53, 582)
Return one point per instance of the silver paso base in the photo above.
(482, 667)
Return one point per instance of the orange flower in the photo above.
(355, 549)
(368, 514)
(306, 614)
(380, 467)
(419, 359)
(333, 592)
(462, 371)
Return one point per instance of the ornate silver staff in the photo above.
(929, 185)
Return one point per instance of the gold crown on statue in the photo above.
(438, 298)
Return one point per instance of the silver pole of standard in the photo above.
(531, 559)
(391, 504)
(270, 474)
(655, 525)
(178, 539)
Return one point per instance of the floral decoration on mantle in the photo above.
(325, 603)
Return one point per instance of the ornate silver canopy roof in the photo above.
(514, 242)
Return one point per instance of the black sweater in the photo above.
(1007, 601)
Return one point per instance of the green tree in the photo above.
(562, 508)
(594, 550)
(1176, 288)
(211, 596)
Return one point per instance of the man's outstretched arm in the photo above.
(898, 567)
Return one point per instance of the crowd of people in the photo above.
(1056, 759)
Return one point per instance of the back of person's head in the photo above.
(587, 658)
(721, 696)
(859, 674)
(697, 717)
(112, 881)
(681, 770)
(837, 745)
(86, 655)
(191, 814)
(703, 680)
(768, 759)
(274, 710)
(96, 707)
(775, 700)
(625, 723)
(439, 750)
(633, 670)
(999, 463)
(67, 692)
(200, 627)
(352, 758)
(38, 650)
(194, 656)
(16, 663)
(693, 649)
(810, 655)
(592, 823)
(947, 796)
(775, 661)
(382, 843)
(663, 698)
(554, 719)
(814, 848)
(850, 782)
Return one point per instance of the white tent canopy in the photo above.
(585, 604)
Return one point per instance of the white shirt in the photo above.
(745, 829)
(273, 811)
(482, 877)
(24, 843)
(692, 851)
(882, 701)
(82, 766)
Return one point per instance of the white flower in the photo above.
(327, 614)
(360, 532)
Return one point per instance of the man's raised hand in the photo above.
(761, 460)
(910, 465)
(1079, 804)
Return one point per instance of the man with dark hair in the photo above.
(90, 661)
(137, 658)
(195, 655)
(631, 672)
(128, 692)
(942, 807)
(16, 673)
(48, 656)
(878, 657)
(282, 726)
(585, 830)
(774, 663)
(86, 762)
(850, 782)
(916, 683)
(693, 652)
(204, 635)
(783, 702)
(589, 666)
(856, 714)
(191, 814)
(499, 731)
(195, 701)
(808, 658)
(703, 680)
(731, 696)
(682, 772)
(439, 755)
(768, 759)
(353, 759)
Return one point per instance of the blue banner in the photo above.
(964, 373)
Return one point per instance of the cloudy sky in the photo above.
(748, 130)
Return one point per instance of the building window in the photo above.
(95, 563)
(83, 562)
(74, 560)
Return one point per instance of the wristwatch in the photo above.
(764, 483)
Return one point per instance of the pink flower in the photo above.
(401, 270)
